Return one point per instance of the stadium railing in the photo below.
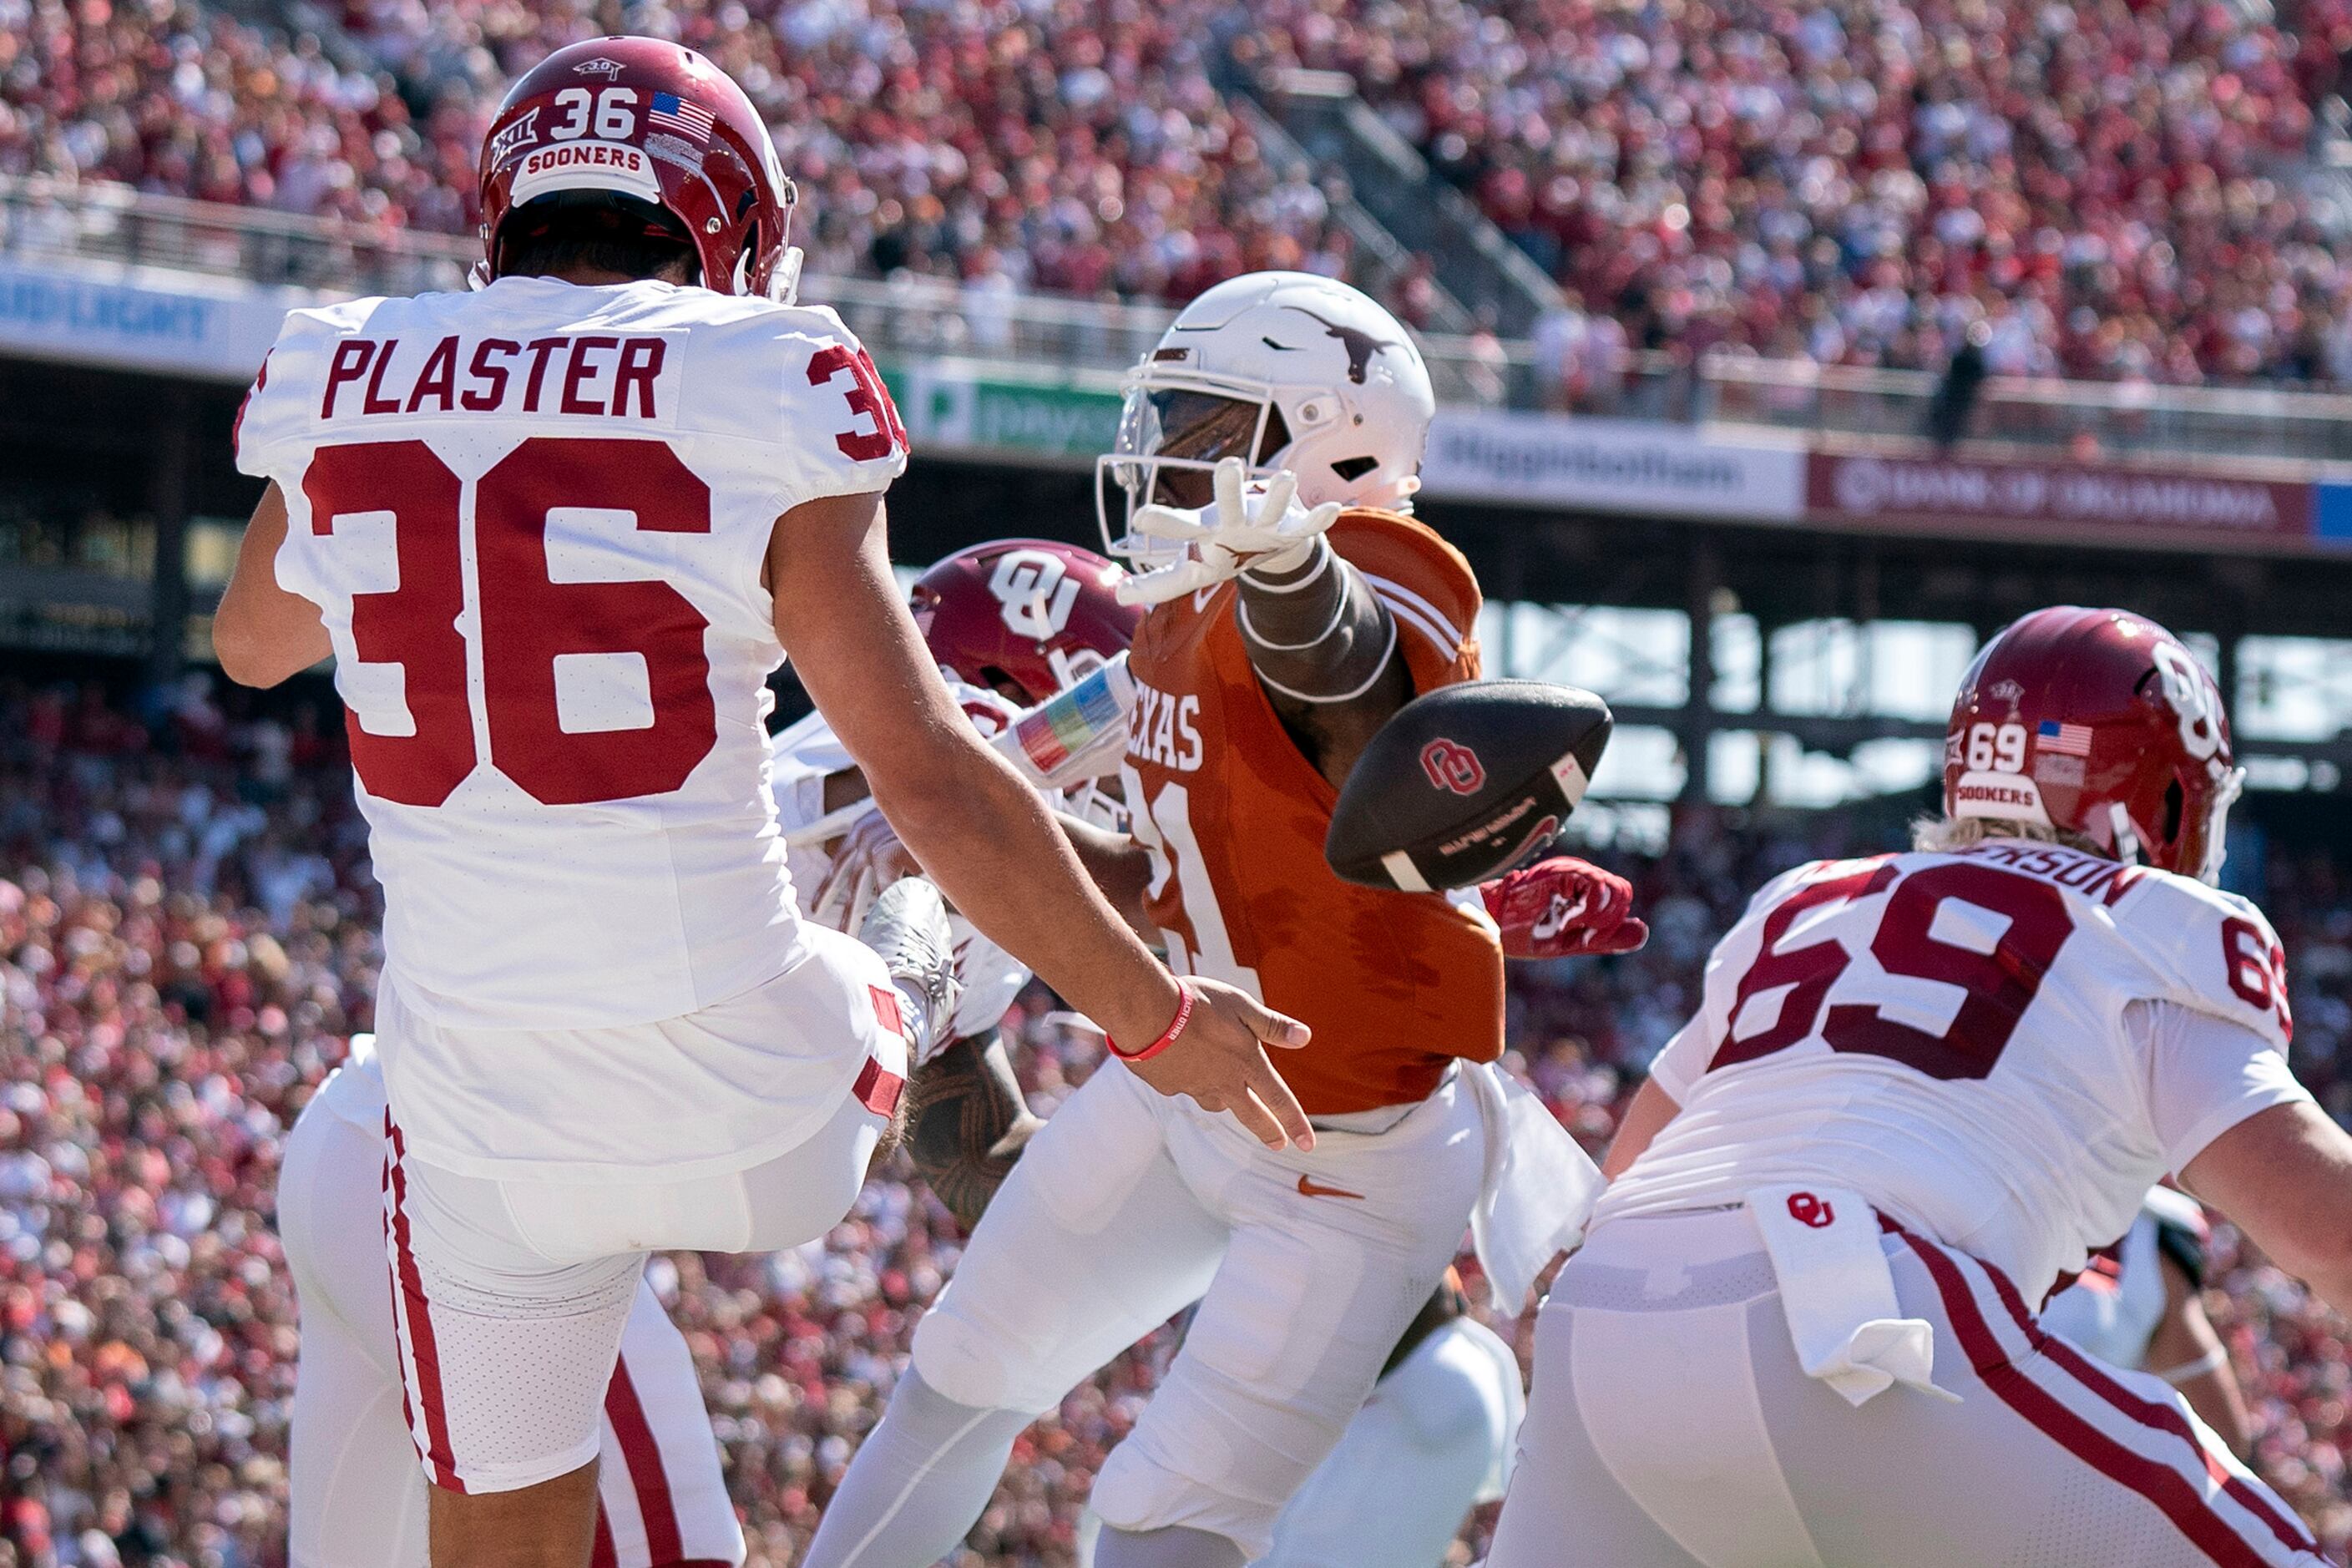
(1091, 342)
(2093, 417)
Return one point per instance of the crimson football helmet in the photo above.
(2101, 723)
(1023, 616)
(624, 121)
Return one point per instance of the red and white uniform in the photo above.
(357, 1495)
(1920, 1087)
(535, 519)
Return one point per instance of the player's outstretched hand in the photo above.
(1220, 1060)
(1271, 530)
(1563, 906)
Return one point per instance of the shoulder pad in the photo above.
(2207, 950)
(278, 408)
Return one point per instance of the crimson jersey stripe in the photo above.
(417, 1313)
(878, 1088)
(2161, 1484)
(643, 1455)
(603, 1555)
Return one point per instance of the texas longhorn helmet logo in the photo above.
(1451, 765)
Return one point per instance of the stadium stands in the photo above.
(2113, 188)
(187, 933)
(2110, 185)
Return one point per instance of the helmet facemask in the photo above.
(1173, 431)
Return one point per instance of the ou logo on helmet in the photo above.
(2189, 690)
(1035, 591)
(1451, 765)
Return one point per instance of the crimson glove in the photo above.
(1563, 907)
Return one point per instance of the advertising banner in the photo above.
(140, 319)
(1608, 465)
(2098, 503)
(957, 406)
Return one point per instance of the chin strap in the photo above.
(2126, 841)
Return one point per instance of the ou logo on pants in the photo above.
(1451, 766)
(1035, 591)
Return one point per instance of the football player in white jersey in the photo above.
(556, 534)
(2136, 1304)
(1921, 1087)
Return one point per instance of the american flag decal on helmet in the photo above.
(2062, 740)
(675, 113)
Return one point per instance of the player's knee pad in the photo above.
(965, 1361)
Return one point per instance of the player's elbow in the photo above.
(246, 657)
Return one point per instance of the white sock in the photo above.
(917, 1483)
(1171, 1546)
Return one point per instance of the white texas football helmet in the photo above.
(1285, 369)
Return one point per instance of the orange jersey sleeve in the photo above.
(1394, 984)
(1426, 585)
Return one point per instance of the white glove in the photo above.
(1276, 536)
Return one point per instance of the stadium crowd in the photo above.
(2109, 186)
(1072, 147)
(187, 936)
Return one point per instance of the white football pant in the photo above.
(358, 1497)
(1434, 1440)
(1128, 1206)
(1671, 1427)
(510, 1293)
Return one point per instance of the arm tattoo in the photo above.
(967, 1124)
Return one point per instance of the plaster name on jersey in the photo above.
(1163, 729)
(2089, 875)
(587, 372)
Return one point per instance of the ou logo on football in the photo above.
(1451, 766)
(1809, 1210)
(1035, 591)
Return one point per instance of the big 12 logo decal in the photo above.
(1036, 592)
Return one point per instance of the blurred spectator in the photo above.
(1956, 394)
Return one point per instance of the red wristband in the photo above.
(1167, 1035)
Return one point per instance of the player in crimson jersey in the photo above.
(1921, 1088)
(557, 532)
(1279, 637)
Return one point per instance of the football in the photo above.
(1465, 782)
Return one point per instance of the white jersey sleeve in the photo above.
(2205, 1075)
(2213, 953)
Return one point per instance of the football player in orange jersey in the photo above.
(1279, 638)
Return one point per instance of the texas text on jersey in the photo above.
(1236, 825)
